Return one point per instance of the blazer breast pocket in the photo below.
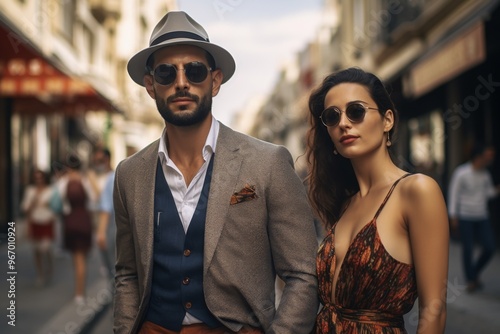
(244, 195)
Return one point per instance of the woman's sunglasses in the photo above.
(195, 72)
(355, 113)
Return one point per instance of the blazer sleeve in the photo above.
(126, 299)
(294, 244)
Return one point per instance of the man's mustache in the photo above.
(181, 94)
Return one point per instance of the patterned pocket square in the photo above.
(245, 194)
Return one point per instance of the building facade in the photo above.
(438, 59)
(64, 87)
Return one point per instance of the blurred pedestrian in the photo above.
(40, 219)
(106, 229)
(207, 218)
(471, 187)
(58, 171)
(387, 239)
(99, 173)
(77, 193)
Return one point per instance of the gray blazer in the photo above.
(246, 244)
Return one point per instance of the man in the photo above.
(207, 217)
(470, 189)
(100, 173)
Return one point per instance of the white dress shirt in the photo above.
(469, 192)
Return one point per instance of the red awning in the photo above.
(37, 86)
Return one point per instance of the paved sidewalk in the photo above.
(477, 312)
(73, 318)
(51, 309)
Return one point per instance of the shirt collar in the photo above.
(208, 148)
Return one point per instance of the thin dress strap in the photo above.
(389, 194)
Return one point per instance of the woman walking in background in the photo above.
(77, 193)
(41, 219)
(387, 239)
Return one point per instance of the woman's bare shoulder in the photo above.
(423, 201)
(419, 185)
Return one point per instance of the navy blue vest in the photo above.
(177, 285)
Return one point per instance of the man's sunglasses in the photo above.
(355, 114)
(195, 71)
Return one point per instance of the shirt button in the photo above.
(187, 252)
(188, 305)
(186, 280)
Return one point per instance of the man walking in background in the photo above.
(471, 188)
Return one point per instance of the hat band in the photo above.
(178, 34)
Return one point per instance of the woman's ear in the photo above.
(388, 120)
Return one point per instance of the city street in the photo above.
(86, 85)
(51, 310)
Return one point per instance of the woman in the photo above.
(387, 229)
(77, 192)
(41, 220)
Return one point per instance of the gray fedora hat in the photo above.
(178, 28)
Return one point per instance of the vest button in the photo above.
(187, 252)
(185, 281)
(188, 305)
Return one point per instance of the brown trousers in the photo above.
(152, 328)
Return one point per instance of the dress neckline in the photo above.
(372, 221)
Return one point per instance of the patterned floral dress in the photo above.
(373, 290)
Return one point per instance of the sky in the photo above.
(261, 35)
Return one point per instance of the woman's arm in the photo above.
(427, 221)
(28, 202)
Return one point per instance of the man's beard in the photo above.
(185, 119)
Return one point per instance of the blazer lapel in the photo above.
(224, 180)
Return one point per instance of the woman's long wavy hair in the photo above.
(331, 179)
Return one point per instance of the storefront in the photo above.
(42, 108)
(450, 99)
